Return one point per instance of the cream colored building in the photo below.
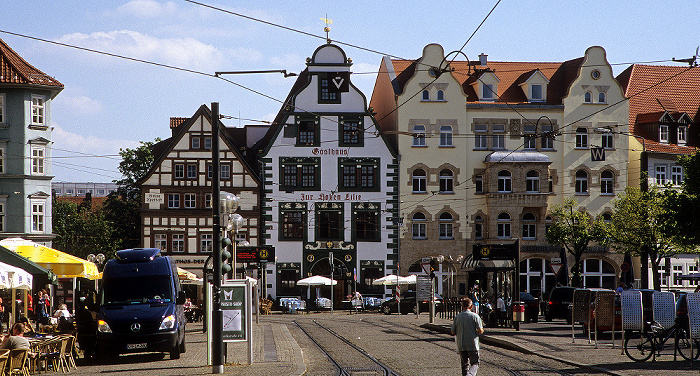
(521, 135)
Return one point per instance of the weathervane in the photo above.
(327, 29)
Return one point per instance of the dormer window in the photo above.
(441, 95)
(536, 93)
(426, 95)
(487, 92)
(682, 135)
(663, 134)
(587, 97)
(601, 98)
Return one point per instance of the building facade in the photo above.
(177, 191)
(26, 94)
(489, 148)
(330, 183)
(71, 189)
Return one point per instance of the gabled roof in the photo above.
(655, 89)
(15, 70)
(510, 74)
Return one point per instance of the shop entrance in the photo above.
(340, 273)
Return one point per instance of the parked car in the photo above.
(408, 304)
(532, 306)
(557, 306)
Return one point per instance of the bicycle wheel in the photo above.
(639, 346)
(683, 345)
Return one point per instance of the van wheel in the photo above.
(175, 352)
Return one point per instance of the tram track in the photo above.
(348, 358)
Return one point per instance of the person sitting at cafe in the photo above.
(16, 340)
(62, 311)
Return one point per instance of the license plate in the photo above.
(131, 346)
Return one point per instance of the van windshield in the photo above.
(135, 290)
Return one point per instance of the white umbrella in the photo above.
(410, 280)
(18, 278)
(316, 280)
(390, 279)
(4, 280)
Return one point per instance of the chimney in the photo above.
(482, 59)
(175, 122)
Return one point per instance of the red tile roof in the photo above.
(510, 75)
(653, 89)
(15, 70)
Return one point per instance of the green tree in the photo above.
(574, 229)
(82, 229)
(123, 208)
(638, 227)
(682, 218)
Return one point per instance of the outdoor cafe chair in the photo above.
(70, 347)
(58, 357)
(4, 354)
(17, 363)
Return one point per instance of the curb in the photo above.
(508, 345)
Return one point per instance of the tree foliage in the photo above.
(83, 229)
(682, 218)
(574, 229)
(133, 167)
(638, 226)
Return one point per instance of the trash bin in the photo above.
(518, 314)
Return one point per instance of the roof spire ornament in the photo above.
(327, 28)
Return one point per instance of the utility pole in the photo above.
(217, 318)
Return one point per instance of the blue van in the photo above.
(141, 305)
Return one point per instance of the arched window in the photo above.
(587, 97)
(504, 182)
(419, 135)
(446, 181)
(445, 225)
(607, 180)
(598, 273)
(441, 95)
(607, 217)
(419, 181)
(419, 226)
(532, 183)
(503, 226)
(446, 135)
(426, 95)
(581, 182)
(529, 226)
(601, 97)
(478, 227)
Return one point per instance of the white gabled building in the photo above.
(330, 185)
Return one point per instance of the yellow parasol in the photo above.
(62, 264)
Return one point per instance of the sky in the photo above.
(110, 103)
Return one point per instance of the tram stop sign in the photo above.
(494, 251)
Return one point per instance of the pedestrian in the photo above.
(466, 327)
(356, 301)
(16, 339)
(40, 310)
(620, 288)
(501, 310)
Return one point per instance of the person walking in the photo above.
(466, 327)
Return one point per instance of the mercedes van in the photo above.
(141, 305)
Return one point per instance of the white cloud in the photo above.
(147, 9)
(181, 52)
(80, 105)
(73, 142)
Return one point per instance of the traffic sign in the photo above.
(555, 268)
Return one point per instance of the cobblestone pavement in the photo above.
(403, 342)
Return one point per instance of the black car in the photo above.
(532, 306)
(408, 304)
(558, 304)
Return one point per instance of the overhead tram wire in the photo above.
(477, 28)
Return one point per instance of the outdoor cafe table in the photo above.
(39, 347)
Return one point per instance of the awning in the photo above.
(42, 276)
(486, 265)
(186, 276)
(16, 278)
(60, 263)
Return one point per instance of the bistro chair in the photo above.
(17, 363)
(4, 354)
(70, 348)
(58, 357)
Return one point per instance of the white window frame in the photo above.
(505, 182)
(607, 140)
(207, 200)
(419, 136)
(677, 175)
(446, 181)
(660, 174)
(173, 200)
(38, 160)
(420, 180)
(532, 183)
(446, 136)
(602, 97)
(607, 184)
(3, 205)
(582, 186)
(581, 138)
(499, 136)
(487, 92)
(529, 226)
(445, 226)
(2, 158)
(179, 171)
(588, 97)
(480, 136)
(479, 184)
(426, 95)
(663, 134)
(225, 170)
(547, 137)
(160, 241)
(682, 135)
(38, 216)
(38, 109)
(534, 98)
(190, 200)
(205, 242)
(419, 227)
(178, 243)
(441, 95)
(503, 226)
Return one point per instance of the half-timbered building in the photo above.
(177, 191)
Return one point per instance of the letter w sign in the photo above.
(597, 154)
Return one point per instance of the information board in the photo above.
(255, 254)
(422, 287)
(494, 251)
(233, 306)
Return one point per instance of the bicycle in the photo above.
(640, 346)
